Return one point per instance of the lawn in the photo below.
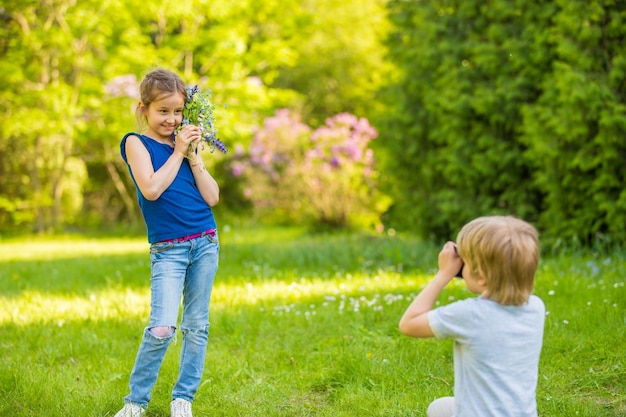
(301, 325)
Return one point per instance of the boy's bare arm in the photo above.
(414, 322)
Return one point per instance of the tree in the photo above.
(60, 128)
(509, 107)
(44, 67)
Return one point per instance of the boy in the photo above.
(498, 335)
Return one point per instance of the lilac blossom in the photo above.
(123, 86)
(292, 171)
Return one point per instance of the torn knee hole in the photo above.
(195, 331)
(162, 331)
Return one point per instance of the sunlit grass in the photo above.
(33, 308)
(350, 292)
(301, 325)
(69, 247)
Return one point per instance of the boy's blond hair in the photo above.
(505, 251)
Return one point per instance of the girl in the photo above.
(175, 194)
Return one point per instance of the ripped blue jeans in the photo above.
(186, 269)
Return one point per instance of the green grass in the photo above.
(301, 325)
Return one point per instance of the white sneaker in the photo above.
(130, 410)
(180, 408)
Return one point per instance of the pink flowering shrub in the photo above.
(270, 168)
(325, 176)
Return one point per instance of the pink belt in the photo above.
(210, 232)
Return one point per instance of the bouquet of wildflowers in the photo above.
(198, 111)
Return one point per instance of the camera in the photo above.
(460, 273)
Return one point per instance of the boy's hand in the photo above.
(414, 322)
(450, 263)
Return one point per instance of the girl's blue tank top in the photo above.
(180, 211)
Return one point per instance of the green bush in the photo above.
(575, 131)
(508, 107)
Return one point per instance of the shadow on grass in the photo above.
(80, 275)
(271, 258)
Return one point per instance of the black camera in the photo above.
(460, 273)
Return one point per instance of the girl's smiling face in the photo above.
(164, 116)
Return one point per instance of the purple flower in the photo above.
(191, 91)
(237, 169)
(219, 145)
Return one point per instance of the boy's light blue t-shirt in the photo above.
(496, 355)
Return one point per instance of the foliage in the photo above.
(301, 325)
(575, 130)
(56, 58)
(43, 68)
(325, 176)
(502, 106)
(341, 64)
(508, 107)
(270, 168)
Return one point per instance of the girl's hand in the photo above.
(188, 137)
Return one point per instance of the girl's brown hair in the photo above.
(157, 84)
(505, 251)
